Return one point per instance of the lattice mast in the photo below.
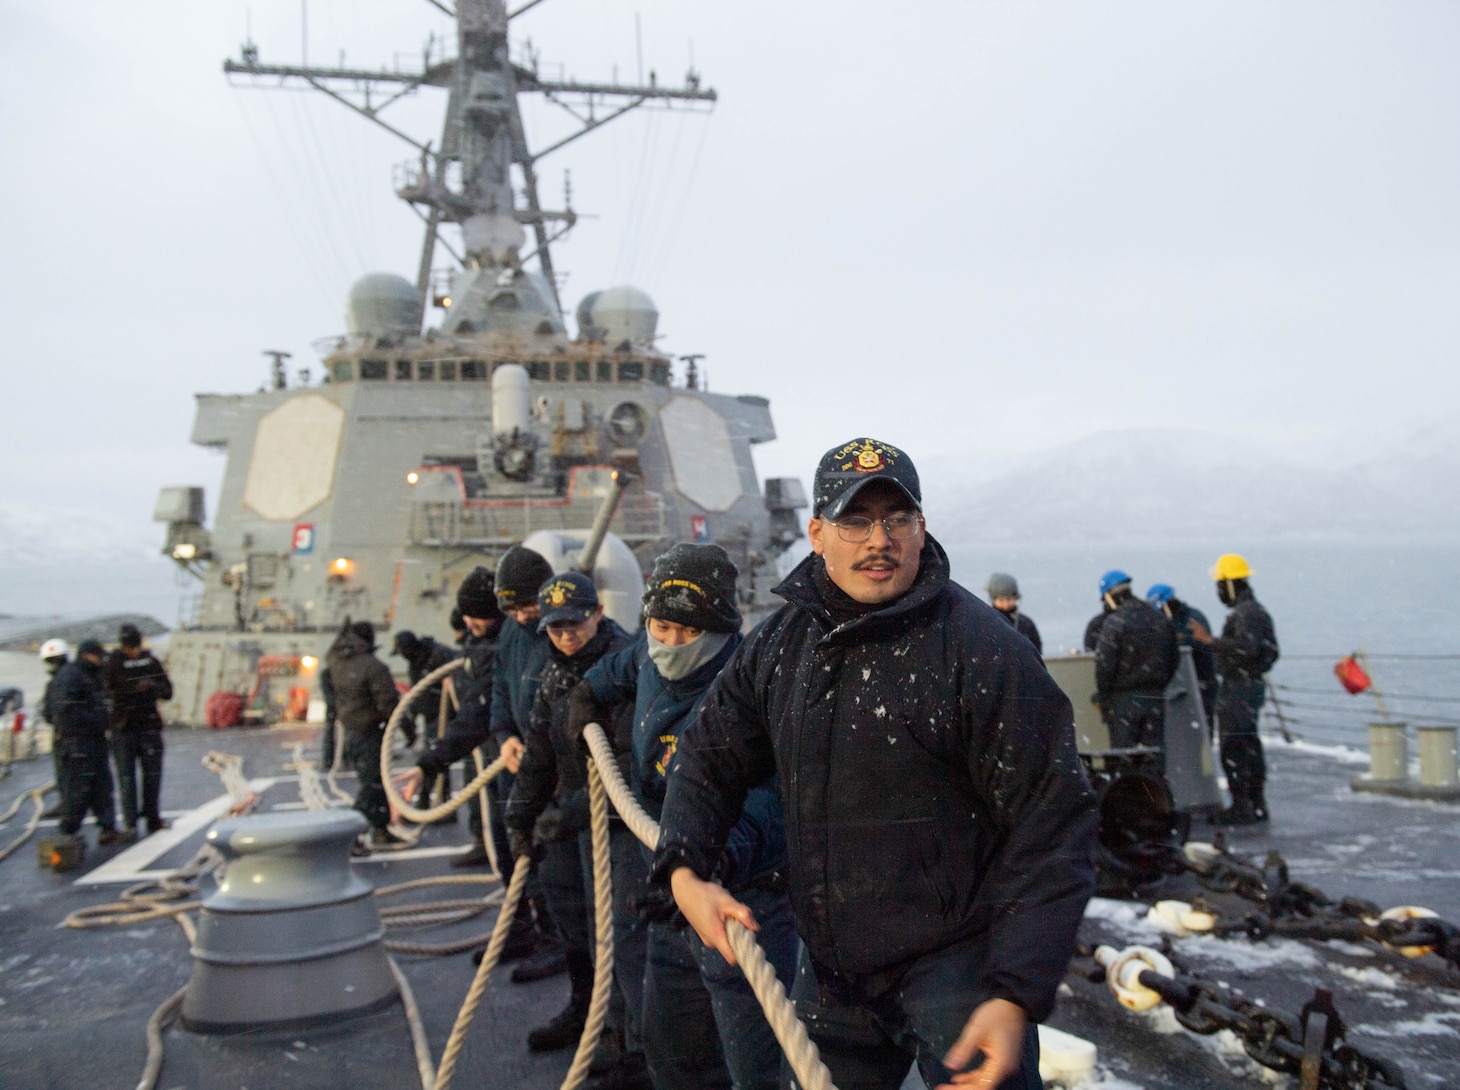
(467, 179)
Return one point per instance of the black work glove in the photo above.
(655, 903)
(583, 708)
(520, 843)
(574, 810)
(549, 828)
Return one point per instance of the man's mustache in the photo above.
(876, 558)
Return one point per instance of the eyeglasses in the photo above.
(858, 528)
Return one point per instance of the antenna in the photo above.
(466, 181)
(281, 379)
(691, 370)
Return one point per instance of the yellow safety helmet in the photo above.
(1231, 566)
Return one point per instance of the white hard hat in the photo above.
(54, 649)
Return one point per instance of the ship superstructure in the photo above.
(423, 453)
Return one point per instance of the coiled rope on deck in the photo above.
(37, 796)
(801, 1052)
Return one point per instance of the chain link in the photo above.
(1275, 1039)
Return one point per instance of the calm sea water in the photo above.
(1393, 599)
(1328, 598)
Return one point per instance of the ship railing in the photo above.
(639, 518)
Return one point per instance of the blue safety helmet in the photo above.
(1112, 579)
(1160, 594)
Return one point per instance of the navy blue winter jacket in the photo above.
(522, 654)
(931, 786)
(470, 726)
(756, 845)
(77, 704)
(553, 765)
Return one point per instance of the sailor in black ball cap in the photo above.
(939, 824)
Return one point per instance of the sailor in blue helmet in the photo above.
(703, 1026)
(1189, 620)
(1108, 583)
(1135, 655)
(939, 823)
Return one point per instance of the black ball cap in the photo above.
(405, 643)
(846, 470)
(567, 597)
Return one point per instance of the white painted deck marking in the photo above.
(127, 866)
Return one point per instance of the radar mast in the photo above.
(466, 179)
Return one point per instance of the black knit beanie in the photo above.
(477, 595)
(129, 635)
(366, 631)
(694, 585)
(520, 574)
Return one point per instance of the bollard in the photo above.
(1436, 756)
(1388, 752)
(292, 936)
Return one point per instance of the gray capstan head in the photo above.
(1002, 585)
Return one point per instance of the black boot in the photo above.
(476, 857)
(565, 1030)
(549, 961)
(1259, 805)
(632, 1073)
(1241, 812)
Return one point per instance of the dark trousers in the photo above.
(560, 873)
(88, 783)
(703, 1025)
(131, 748)
(362, 754)
(628, 870)
(873, 1044)
(1238, 705)
(327, 748)
(1134, 718)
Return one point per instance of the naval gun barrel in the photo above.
(589, 553)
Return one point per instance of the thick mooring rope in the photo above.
(801, 1052)
(37, 796)
(458, 800)
(490, 957)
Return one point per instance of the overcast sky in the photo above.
(959, 226)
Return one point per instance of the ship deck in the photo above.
(74, 1003)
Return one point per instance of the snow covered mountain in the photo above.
(1174, 485)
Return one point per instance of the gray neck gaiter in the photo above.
(674, 663)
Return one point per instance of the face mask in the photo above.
(674, 663)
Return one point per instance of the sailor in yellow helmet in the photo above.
(1245, 651)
